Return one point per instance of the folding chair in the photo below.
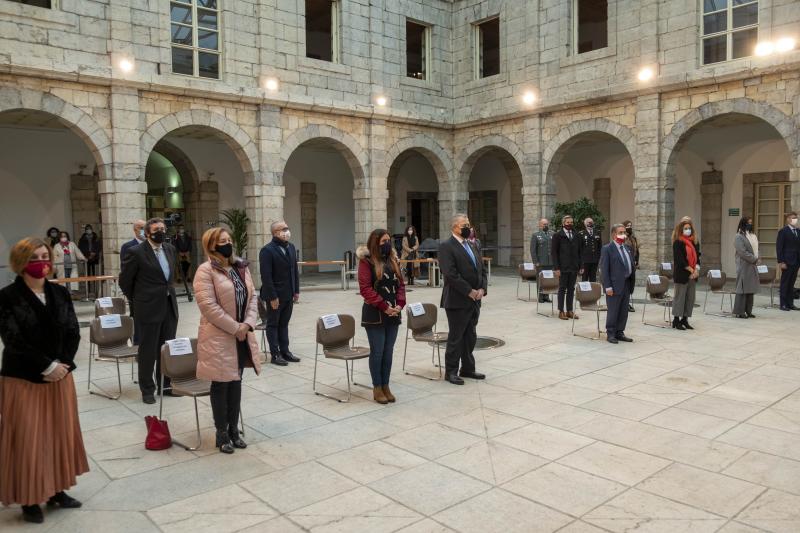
(112, 345)
(657, 294)
(547, 285)
(665, 269)
(337, 343)
(118, 307)
(423, 329)
(590, 301)
(262, 327)
(716, 285)
(527, 276)
(768, 276)
(182, 371)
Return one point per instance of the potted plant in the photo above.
(237, 221)
(580, 210)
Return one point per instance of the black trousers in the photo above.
(461, 338)
(566, 289)
(589, 272)
(226, 396)
(278, 327)
(617, 315)
(152, 336)
(788, 278)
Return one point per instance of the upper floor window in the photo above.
(730, 29)
(418, 50)
(322, 30)
(487, 48)
(195, 37)
(38, 3)
(590, 25)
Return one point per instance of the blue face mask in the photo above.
(386, 249)
(141, 234)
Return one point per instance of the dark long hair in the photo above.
(374, 247)
(742, 228)
(416, 235)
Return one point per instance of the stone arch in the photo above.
(346, 144)
(427, 147)
(242, 145)
(75, 119)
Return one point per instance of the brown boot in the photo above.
(562, 315)
(389, 396)
(378, 395)
(572, 315)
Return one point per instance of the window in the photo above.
(322, 30)
(418, 50)
(487, 48)
(38, 3)
(195, 38)
(590, 25)
(730, 29)
(773, 201)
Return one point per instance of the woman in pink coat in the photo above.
(226, 344)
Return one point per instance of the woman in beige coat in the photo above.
(226, 343)
(65, 257)
(410, 251)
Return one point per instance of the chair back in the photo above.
(422, 323)
(590, 297)
(179, 366)
(547, 284)
(657, 290)
(262, 310)
(111, 337)
(117, 307)
(716, 284)
(768, 277)
(527, 275)
(338, 336)
(663, 271)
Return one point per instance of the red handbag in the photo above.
(158, 437)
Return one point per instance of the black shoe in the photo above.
(631, 309)
(454, 379)
(677, 324)
(33, 514)
(289, 356)
(63, 500)
(785, 309)
(148, 399)
(742, 316)
(168, 392)
(277, 359)
(224, 442)
(472, 375)
(794, 308)
(612, 340)
(685, 323)
(750, 315)
(236, 440)
(623, 338)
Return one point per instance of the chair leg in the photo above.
(161, 399)
(197, 425)
(405, 350)
(101, 392)
(241, 420)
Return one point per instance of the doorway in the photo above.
(423, 213)
(483, 216)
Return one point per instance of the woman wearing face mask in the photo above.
(410, 248)
(91, 246)
(747, 283)
(384, 298)
(52, 236)
(66, 256)
(41, 448)
(226, 344)
(686, 270)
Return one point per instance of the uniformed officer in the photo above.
(592, 246)
(540, 251)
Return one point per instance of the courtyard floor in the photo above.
(677, 432)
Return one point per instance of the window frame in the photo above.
(728, 31)
(195, 48)
(336, 42)
(53, 4)
(575, 33)
(783, 196)
(427, 50)
(477, 40)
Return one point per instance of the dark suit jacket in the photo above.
(788, 246)
(142, 281)
(566, 253)
(591, 246)
(460, 275)
(613, 268)
(126, 247)
(280, 277)
(680, 261)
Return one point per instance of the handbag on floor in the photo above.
(158, 437)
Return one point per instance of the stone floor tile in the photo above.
(426, 526)
(371, 462)
(286, 422)
(720, 407)
(617, 405)
(485, 423)
(615, 463)
(756, 389)
(764, 440)
(601, 383)
(206, 522)
(767, 470)
(566, 393)
(432, 441)
(580, 527)
(773, 511)
(228, 500)
(275, 525)
(83, 521)
(135, 459)
(655, 394)
(527, 380)
(737, 527)
(547, 412)
(491, 462)
(705, 426)
(544, 441)
(788, 421)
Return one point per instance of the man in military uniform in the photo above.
(591, 247)
(540, 251)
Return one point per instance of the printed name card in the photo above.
(180, 346)
(527, 266)
(547, 274)
(654, 279)
(331, 321)
(666, 266)
(110, 321)
(762, 269)
(585, 286)
(105, 302)
(417, 309)
(716, 274)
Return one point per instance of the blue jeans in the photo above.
(381, 347)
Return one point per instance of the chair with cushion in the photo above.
(549, 286)
(527, 276)
(716, 285)
(337, 343)
(657, 293)
(113, 344)
(768, 277)
(182, 371)
(590, 301)
(665, 269)
(422, 328)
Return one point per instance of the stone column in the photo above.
(711, 189)
(602, 198)
(308, 217)
(653, 198)
(370, 196)
(202, 209)
(453, 198)
(533, 199)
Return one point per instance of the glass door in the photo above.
(773, 201)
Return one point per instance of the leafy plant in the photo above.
(580, 210)
(237, 221)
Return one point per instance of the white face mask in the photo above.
(287, 234)
(410, 232)
(793, 222)
(688, 232)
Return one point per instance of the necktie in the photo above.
(471, 255)
(625, 258)
(162, 260)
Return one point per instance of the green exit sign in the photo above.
(733, 212)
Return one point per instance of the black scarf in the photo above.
(412, 240)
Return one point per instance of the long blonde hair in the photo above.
(210, 238)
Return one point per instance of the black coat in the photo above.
(142, 281)
(34, 335)
(566, 252)
(126, 247)
(460, 275)
(280, 277)
(591, 246)
(787, 245)
(680, 262)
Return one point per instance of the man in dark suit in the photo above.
(465, 285)
(566, 249)
(788, 247)
(591, 246)
(146, 279)
(280, 290)
(618, 267)
(138, 238)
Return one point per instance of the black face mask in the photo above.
(749, 228)
(386, 249)
(545, 228)
(465, 232)
(568, 227)
(225, 250)
(158, 237)
(629, 231)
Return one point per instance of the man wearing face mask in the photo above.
(633, 243)
(591, 247)
(617, 268)
(280, 290)
(146, 279)
(183, 244)
(566, 254)
(788, 247)
(541, 243)
(138, 238)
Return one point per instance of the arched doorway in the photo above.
(413, 184)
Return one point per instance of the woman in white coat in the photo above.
(66, 256)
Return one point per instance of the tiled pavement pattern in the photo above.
(677, 432)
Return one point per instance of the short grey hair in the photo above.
(565, 217)
(455, 218)
(615, 227)
(274, 225)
